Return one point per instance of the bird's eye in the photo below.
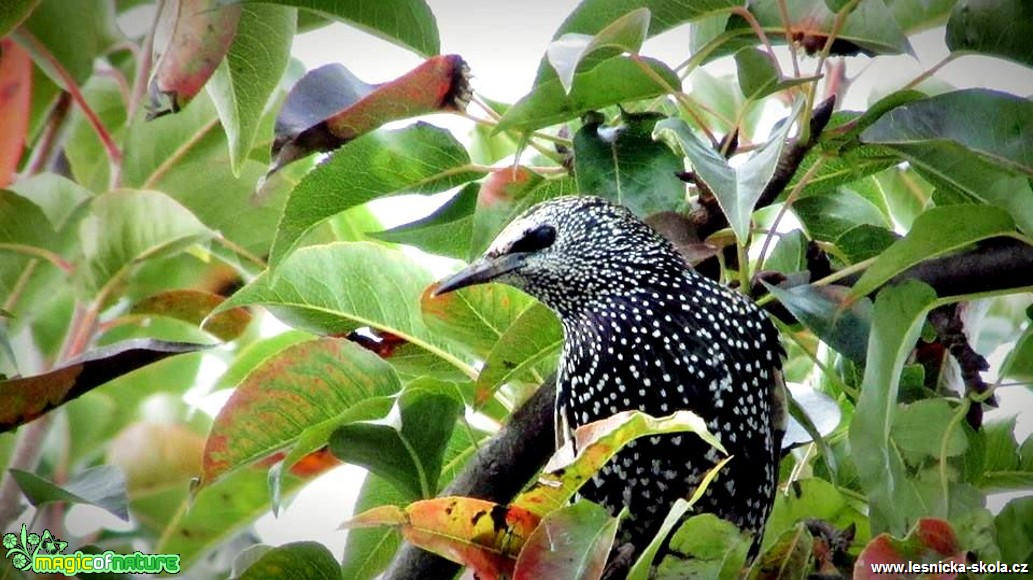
(536, 239)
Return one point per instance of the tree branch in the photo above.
(497, 472)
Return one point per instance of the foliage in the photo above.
(162, 198)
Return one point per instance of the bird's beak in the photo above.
(481, 271)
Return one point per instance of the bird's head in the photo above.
(567, 250)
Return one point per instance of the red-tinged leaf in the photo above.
(597, 443)
(300, 386)
(15, 90)
(480, 534)
(330, 106)
(475, 317)
(571, 542)
(385, 515)
(193, 306)
(929, 541)
(197, 35)
(506, 185)
(24, 399)
(310, 464)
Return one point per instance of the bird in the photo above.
(644, 331)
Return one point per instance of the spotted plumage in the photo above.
(644, 331)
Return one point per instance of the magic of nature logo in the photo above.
(43, 554)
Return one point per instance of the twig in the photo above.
(497, 472)
(31, 43)
(43, 152)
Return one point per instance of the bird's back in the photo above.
(675, 341)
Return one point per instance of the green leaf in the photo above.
(896, 323)
(827, 216)
(571, 542)
(917, 16)
(197, 525)
(535, 336)
(597, 443)
(705, 546)
(409, 452)
(246, 359)
(737, 189)
(865, 241)
(302, 385)
(624, 164)
(87, 157)
(474, 317)
(420, 158)
(126, 227)
(247, 78)
(789, 255)
(641, 569)
(103, 486)
(59, 197)
(991, 124)
(445, 232)
(953, 169)
(919, 428)
(22, 223)
(569, 51)
(13, 13)
(758, 76)
(936, 232)
(592, 16)
(407, 23)
(187, 156)
(995, 27)
(303, 560)
(1019, 364)
(317, 290)
(824, 310)
(368, 551)
(813, 497)
(789, 557)
(75, 47)
(870, 28)
(1015, 530)
(315, 437)
(615, 80)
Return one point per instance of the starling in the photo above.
(644, 331)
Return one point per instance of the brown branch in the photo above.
(497, 472)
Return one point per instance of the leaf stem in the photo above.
(683, 100)
(177, 155)
(837, 26)
(783, 13)
(145, 58)
(35, 252)
(932, 70)
(745, 14)
(43, 152)
(956, 420)
(33, 45)
(793, 195)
